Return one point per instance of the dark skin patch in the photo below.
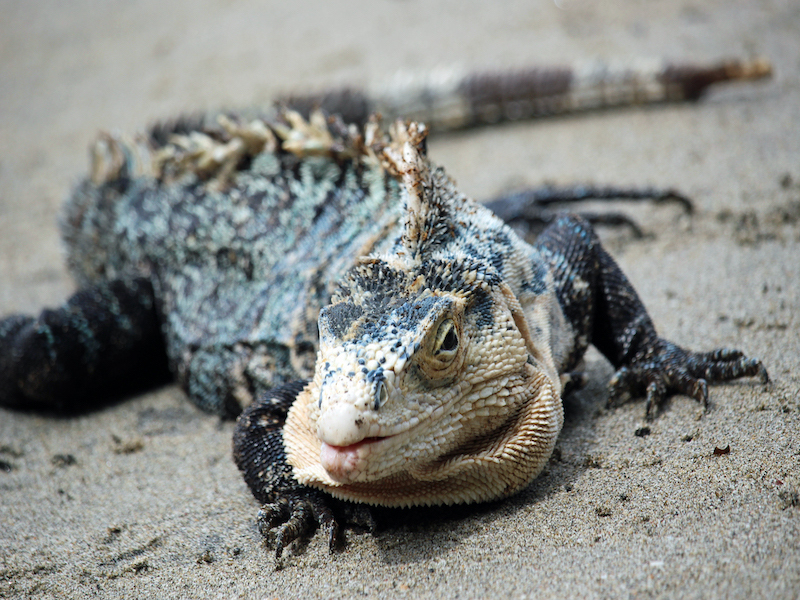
(482, 306)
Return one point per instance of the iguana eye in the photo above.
(446, 339)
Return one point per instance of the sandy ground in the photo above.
(142, 499)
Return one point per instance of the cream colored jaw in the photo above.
(499, 468)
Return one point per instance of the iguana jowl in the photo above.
(263, 251)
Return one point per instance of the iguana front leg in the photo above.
(290, 511)
(603, 308)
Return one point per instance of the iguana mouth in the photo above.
(344, 464)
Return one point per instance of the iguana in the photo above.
(394, 342)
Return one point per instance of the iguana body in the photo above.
(262, 251)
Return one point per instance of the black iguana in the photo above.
(394, 342)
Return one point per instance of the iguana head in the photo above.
(429, 387)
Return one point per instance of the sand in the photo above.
(142, 500)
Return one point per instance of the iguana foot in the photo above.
(298, 517)
(286, 520)
(667, 369)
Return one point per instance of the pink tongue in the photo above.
(341, 462)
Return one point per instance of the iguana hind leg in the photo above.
(534, 206)
(103, 342)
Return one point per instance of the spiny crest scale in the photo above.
(428, 193)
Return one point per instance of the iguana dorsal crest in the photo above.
(427, 192)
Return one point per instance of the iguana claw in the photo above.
(298, 518)
(667, 369)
